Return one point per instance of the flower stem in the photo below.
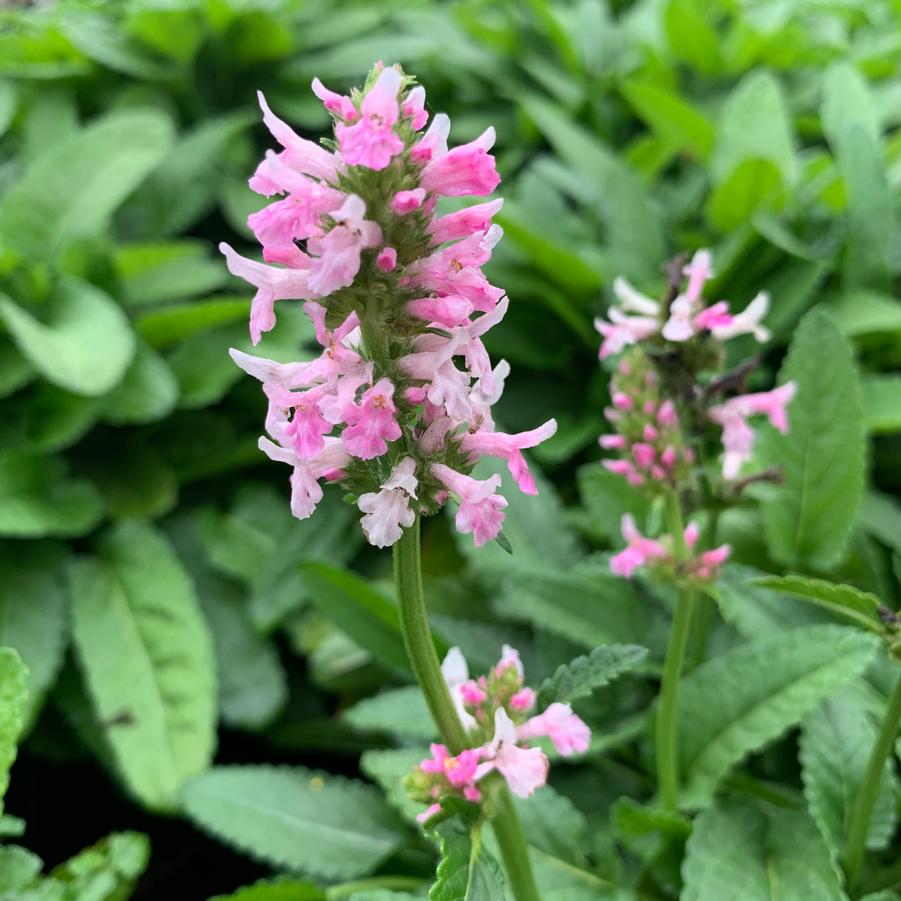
(667, 709)
(869, 790)
(424, 660)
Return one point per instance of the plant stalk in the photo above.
(666, 735)
(859, 826)
(427, 669)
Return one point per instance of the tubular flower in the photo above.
(496, 711)
(397, 404)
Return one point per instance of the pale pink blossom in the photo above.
(404, 202)
(525, 769)
(710, 561)
(680, 325)
(387, 259)
(472, 694)
(523, 700)
(459, 771)
(698, 271)
(747, 322)
(433, 143)
(338, 104)
(428, 813)
(371, 141)
(449, 311)
(613, 442)
(481, 510)
(468, 169)
(388, 511)
(413, 107)
(622, 330)
(336, 255)
(465, 222)
(456, 674)
(432, 361)
(509, 447)
(307, 429)
(371, 423)
(638, 552)
(272, 284)
(567, 731)
(714, 318)
(510, 659)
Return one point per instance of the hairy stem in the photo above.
(869, 790)
(666, 735)
(424, 660)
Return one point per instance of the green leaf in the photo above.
(678, 124)
(882, 403)
(862, 312)
(147, 392)
(15, 370)
(13, 695)
(754, 185)
(276, 890)
(738, 702)
(360, 611)
(691, 36)
(34, 614)
(847, 98)
(836, 742)
(18, 870)
(466, 871)
(388, 768)
(107, 871)
(580, 677)
(72, 190)
(147, 659)
(37, 500)
(734, 847)
(809, 519)
(400, 711)
(134, 477)
(46, 419)
(168, 325)
(880, 516)
(844, 600)
(62, 345)
(295, 818)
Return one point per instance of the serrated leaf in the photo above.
(34, 613)
(836, 742)
(295, 818)
(107, 871)
(37, 500)
(71, 190)
(466, 871)
(736, 851)
(13, 695)
(809, 518)
(400, 711)
(581, 676)
(62, 346)
(738, 702)
(147, 658)
(844, 600)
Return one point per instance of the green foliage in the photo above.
(823, 455)
(735, 846)
(276, 890)
(295, 818)
(147, 660)
(581, 676)
(738, 702)
(466, 871)
(13, 692)
(845, 600)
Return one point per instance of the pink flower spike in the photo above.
(481, 510)
(371, 423)
(468, 169)
(387, 259)
(413, 107)
(509, 448)
(523, 700)
(567, 731)
(406, 201)
(337, 104)
(525, 769)
(465, 222)
(372, 141)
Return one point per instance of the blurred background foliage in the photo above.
(144, 534)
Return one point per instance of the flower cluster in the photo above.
(496, 711)
(638, 317)
(648, 436)
(661, 557)
(397, 297)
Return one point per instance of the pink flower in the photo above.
(509, 660)
(644, 454)
(713, 318)
(387, 259)
(472, 695)
(523, 700)
(307, 429)
(428, 813)
(509, 447)
(680, 325)
(413, 108)
(612, 442)
(525, 769)
(623, 330)
(747, 322)
(465, 222)
(434, 142)
(371, 423)
(433, 362)
(299, 154)
(481, 510)
(337, 253)
(567, 731)
(406, 201)
(639, 550)
(449, 311)
(271, 284)
(468, 169)
(456, 675)
(337, 104)
(388, 511)
(698, 271)
(710, 561)
(372, 141)
(459, 771)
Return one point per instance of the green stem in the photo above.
(424, 660)
(859, 826)
(667, 709)
(705, 606)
